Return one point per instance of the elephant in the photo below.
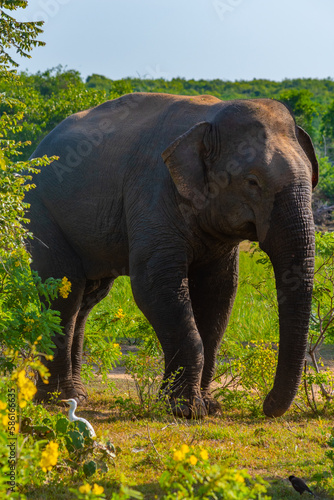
(163, 188)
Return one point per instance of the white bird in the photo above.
(73, 418)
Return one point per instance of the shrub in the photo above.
(326, 179)
(190, 475)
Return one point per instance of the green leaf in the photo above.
(75, 440)
(62, 425)
(89, 468)
(82, 428)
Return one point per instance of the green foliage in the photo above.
(245, 372)
(14, 183)
(25, 313)
(330, 453)
(24, 317)
(322, 317)
(52, 95)
(86, 492)
(190, 475)
(302, 106)
(102, 352)
(79, 452)
(48, 98)
(254, 315)
(326, 179)
(116, 319)
(15, 34)
(16, 391)
(327, 122)
(147, 372)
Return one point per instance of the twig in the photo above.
(150, 439)
(305, 387)
(324, 392)
(168, 425)
(288, 426)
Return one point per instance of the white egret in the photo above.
(73, 418)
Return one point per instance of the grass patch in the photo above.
(270, 449)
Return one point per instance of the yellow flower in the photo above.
(98, 490)
(49, 456)
(204, 454)
(193, 460)
(178, 455)
(120, 314)
(38, 339)
(115, 346)
(185, 448)
(85, 488)
(5, 421)
(17, 263)
(238, 478)
(27, 389)
(3, 405)
(65, 288)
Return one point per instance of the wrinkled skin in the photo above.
(164, 188)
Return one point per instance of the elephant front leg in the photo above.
(163, 296)
(213, 287)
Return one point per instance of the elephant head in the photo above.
(247, 173)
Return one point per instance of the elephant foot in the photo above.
(194, 409)
(212, 406)
(80, 388)
(48, 393)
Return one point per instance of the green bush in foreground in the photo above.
(190, 475)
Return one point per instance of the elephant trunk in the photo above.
(290, 246)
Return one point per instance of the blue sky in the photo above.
(227, 39)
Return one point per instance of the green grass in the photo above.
(254, 315)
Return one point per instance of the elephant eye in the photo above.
(252, 181)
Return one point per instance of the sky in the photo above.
(199, 39)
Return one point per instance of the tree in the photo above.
(22, 37)
(20, 290)
(302, 106)
(327, 124)
(15, 34)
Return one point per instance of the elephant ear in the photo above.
(305, 141)
(184, 159)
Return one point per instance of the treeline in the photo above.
(51, 96)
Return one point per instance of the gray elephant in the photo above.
(163, 188)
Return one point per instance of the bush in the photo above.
(245, 372)
(326, 179)
(190, 475)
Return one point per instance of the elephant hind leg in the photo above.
(94, 292)
(60, 368)
(52, 256)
